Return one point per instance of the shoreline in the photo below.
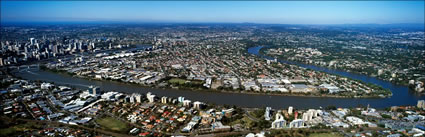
(261, 52)
(221, 91)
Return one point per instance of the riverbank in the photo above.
(199, 89)
(280, 57)
(401, 95)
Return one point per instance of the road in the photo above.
(251, 117)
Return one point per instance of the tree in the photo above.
(331, 107)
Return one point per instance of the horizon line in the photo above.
(188, 22)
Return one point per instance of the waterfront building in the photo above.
(290, 109)
(330, 88)
(297, 123)
(180, 99)
(46, 85)
(174, 101)
(94, 90)
(355, 120)
(380, 72)
(138, 98)
(310, 114)
(279, 122)
(421, 104)
(394, 75)
(300, 88)
(132, 100)
(267, 113)
(150, 97)
(164, 100)
(307, 116)
(198, 105)
(127, 99)
(186, 103)
(296, 115)
(109, 95)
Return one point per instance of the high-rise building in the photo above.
(150, 97)
(186, 103)
(421, 104)
(164, 100)
(180, 99)
(55, 49)
(290, 110)
(32, 40)
(296, 114)
(132, 100)
(307, 116)
(94, 90)
(297, 123)
(279, 122)
(198, 105)
(138, 97)
(127, 99)
(267, 113)
(380, 72)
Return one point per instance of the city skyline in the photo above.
(276, 12)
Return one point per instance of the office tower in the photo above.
(94, 90)
(421, 104)
(32, 40)
(290, 110)
(279, 121)
(164, 100)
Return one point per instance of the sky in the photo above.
(272, 12)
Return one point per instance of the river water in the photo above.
(401, 94)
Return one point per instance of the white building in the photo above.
(186, 103)
(421, 104)
(297, 123)
(164, 100)
(279, 122)
(208, 83)
(310, 114)
(198, 105)
(150, 97)
(355, 120)
(290, 110)
(180, 99)
(307, 116)
(301, 88)
(46, 85)
(138, 98)
(267, 113)
(132, 100)
(330, 88)
(94, 90)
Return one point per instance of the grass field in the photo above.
(7, 131)
(113, 124)
(16, 129)
(178, 81)
(325, 135)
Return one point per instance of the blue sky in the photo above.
(282, 12)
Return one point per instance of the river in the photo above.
(401, 94)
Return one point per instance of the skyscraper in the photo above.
(421, 104)
(32, 40)
(290, 109)
(279, 121)
(94, 90)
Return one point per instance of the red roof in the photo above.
(144, 134)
